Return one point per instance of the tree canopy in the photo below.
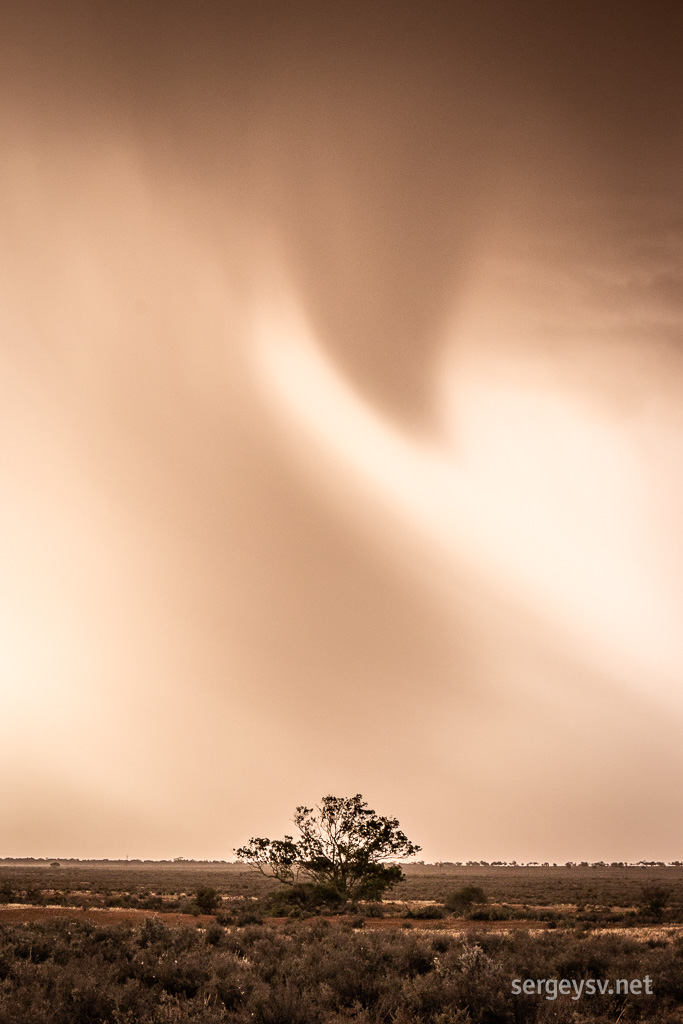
(343, 845)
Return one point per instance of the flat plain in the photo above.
(164, 943)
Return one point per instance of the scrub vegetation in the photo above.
(319, 972)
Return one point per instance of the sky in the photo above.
(341, 381)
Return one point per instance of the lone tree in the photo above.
(342, 848)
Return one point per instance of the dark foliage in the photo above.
(461, 900)
(654, 900)
(206, 899)
(342, 844)
(429, 912)
(314, 972)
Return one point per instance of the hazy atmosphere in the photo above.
(341, 392)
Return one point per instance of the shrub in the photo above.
(462, 899)
(214, 934)
(374, 910)
(285, 1005)
(247, 917)
(304, 897)
(654, 900)
(430, 912)
(152, 931)
(206, 899)
(224, 919)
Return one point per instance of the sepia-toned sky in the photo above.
(341, 405)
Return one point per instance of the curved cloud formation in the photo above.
(340, 389)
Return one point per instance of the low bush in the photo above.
(307, 898)
(462, 899)
(206, 899)
(430, 912)
(374, 910)
(654, 900)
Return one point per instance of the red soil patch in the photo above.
(113, 915)
(108, 915)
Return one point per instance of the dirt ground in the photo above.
(18, 913)
(111, 915)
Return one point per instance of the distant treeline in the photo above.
(408, 867)
(545, 864)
